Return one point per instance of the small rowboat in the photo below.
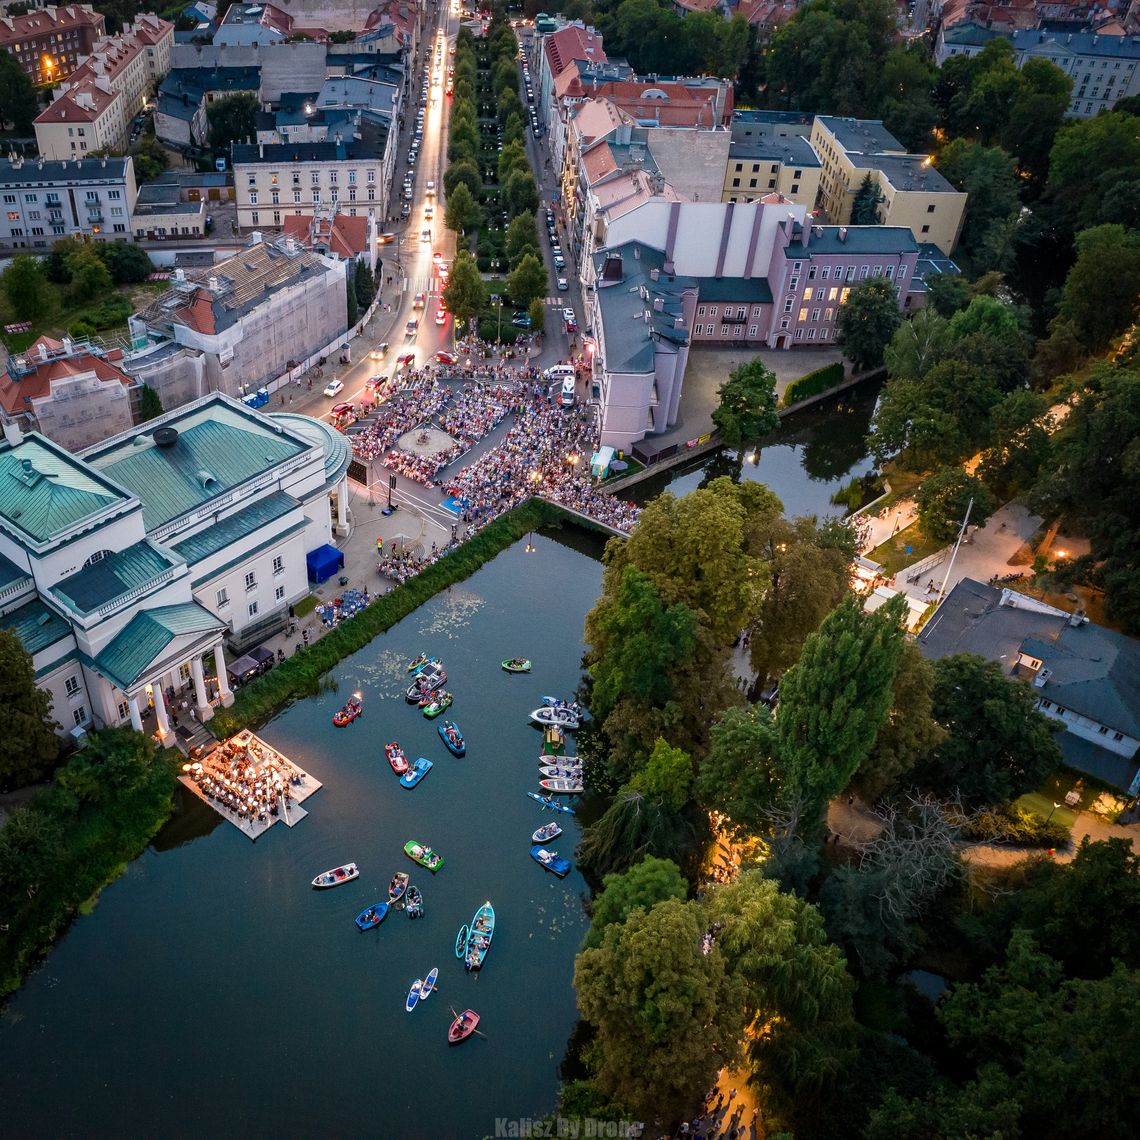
(373, 916)
(452, 738)
(564, 718)
(353, 707)
(415, 903)
(429, 984)
(336, 876)
(479, 936)
(567, 786)
(396, 758)
(461, 941)
(550, 861)
(421, 663)
(462, 1027)
(397, 886)
(551, 802)
(413, 995)
(425, 856)
(419, 770)
(574, 772)
(547, 832)
(439, 704)
(517, 665)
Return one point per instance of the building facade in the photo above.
(48, 43)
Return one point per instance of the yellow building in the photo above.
(764, 165)
(913, 193)
(84, 119)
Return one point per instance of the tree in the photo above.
(1019, 447)
(26, 287)
(944, 498)
(513, 159)
(987, 174)
(905, 102)
(232, 118)
(466, 173)
(634, 826)
(89, 276)
(739, 778)
(463, 212)
(528, 281)
(666, 777)
(522, 238)
(1100, 293)
(865, 204)
(150, 406)
(643, 886)
(463, 294)
(867, 321)
(17, 96)
(747, 407)
(998, 745)
(364, 285)
(352, 306)
(834, 700)
(28, 744)
(536, 310)
(1089, 157)
(127, 263)
(520, 193)
(150, 159)
(652, 994)
(918, 344)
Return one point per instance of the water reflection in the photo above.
(190, 819)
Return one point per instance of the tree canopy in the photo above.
(28, 744)
(747, 407)
(867, 321)
(232, 118)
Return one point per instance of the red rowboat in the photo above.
(462, 1027)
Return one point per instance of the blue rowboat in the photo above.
(479, 936)
(373, 916)
(461, 941)
(452, 738)
(416, 773)
(550, 861)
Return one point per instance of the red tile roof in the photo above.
(37, 383)
(344, 236)
(84, 103)
(572, 43)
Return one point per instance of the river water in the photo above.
(211, 991)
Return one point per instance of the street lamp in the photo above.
(1050, 815)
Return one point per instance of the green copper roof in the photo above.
(144, 638)
(111, 577)
(320, 434)
(10, 573)
(36, 626)
(238, 526)
(44, 491)
(217, 448)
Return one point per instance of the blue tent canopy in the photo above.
(323, 562)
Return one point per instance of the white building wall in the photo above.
(1102, 735)
(83, 410)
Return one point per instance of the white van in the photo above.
(567, 397)
(559, 372)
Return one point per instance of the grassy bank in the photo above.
(300, 675)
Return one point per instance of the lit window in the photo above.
(803, 314)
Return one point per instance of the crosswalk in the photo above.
(560, 300)
(420, 284)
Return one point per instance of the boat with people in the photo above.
(372, 916)
(398, 886)
(550, 861)
(413, 995)
(425, 856)
(464, 1025)
(414, 907)
(553, 742)
(338, 875)
(547, 832)
(564, 718)
(567, 786)
(558, 703)
(418, 771)
(517, 665)
(349, 711)
(569, 772)
(440, 704)
(428, 985)
(452, 738)
(479, 936)
(461, 940)
(427, 682)
(420, 663)
(551, 802)
(396, 757)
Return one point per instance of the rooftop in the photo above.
(112, 577)
(36, 626)
(145, 637)
(744, 290)
(236, 526)
(912, 172)
(40, 172)
(341, 235)
(836, 241)
(29, 376)
(861, 136)
(349, 150)
(44, 21)
(791, 151)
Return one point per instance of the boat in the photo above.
(564, 718)
(452, 738)
(425, 856)
(440, 704)
(517, 665)
(553, 742)
(418, 771)
(557, 702)
(397, 886)
(415, 902)
(479, 937)
(550, 861)
(413, 995)
(352, 708)
(427, 682)
(547, 832)
(567, 786)
(429, 984)
(336, 876)
(396, 758)
(571, 772)
(462, 1027)
(373, 916)
(551, 802)
(461, 941)
(421, 663)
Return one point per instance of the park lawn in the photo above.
(892, 554)
(1041, 804)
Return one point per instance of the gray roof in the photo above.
(10, 573)
(1093, 671)
(36, 626)
(237, 526)
(34, 171)
(112, 577)
(835, 241)
(793, 151)
(280, 153)
(788, 118)
(1039, 42)
(911, 172)
(145, 637)
(745, 290)
(861, 136)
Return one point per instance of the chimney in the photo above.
(658, 304)
(256, 237)
(180, 275)
(843, 234)
(212, 283)
(261, 150)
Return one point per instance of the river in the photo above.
(211, 991)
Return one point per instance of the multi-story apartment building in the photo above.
(308, 178)
(48, 43)
(186, 92)
(83, 119)
(42, 201)
(769, 154)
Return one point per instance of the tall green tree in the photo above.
(150, 405)
(28, 745)
(90, 277)
(747, 405)
(944, 498)
(364, 285)
(1088, 159)
(642, 887)
(465, 172)
(463, 294)
(463, 212)
(232, 118)
(536, 310)
(989, 178)
(867, 322)
(740, 777)
(1101, 291)
(26, 288)
(18, 103)
(865, 204)
(126, 262)
(528, 281)
(520, 193)
(522, 237)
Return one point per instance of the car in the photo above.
(429, 212)
(334, 387)
(407, 195)
(571, 325)
(436, 257)
(411, 158)
(559, 262)
(429, 188)
(374, 383)
(405, 361)
(386, 238)
(379, 350)
(405, 210)
(343, 409)
(412, 327)
(521, 321)
(441, 316)
(209, 221)
(563, 285)
(418, 300)
(425, 235)
(445, 357)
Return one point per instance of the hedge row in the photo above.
(821, 380)
(1012, 824)
(300, 675)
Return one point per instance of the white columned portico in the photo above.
(342, 507)
(225, 693)
(136, 716)
(160, 710)
(205, 711)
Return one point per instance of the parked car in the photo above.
(334, 387)
(343, 409)
(375, 383)
(563, 285)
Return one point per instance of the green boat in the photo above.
(438, 705)
(425, 856)
(517, 665)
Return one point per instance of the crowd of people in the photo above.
(475, 411)
(247, 779)
(341, 607)
(421, 468)
(421, 398)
